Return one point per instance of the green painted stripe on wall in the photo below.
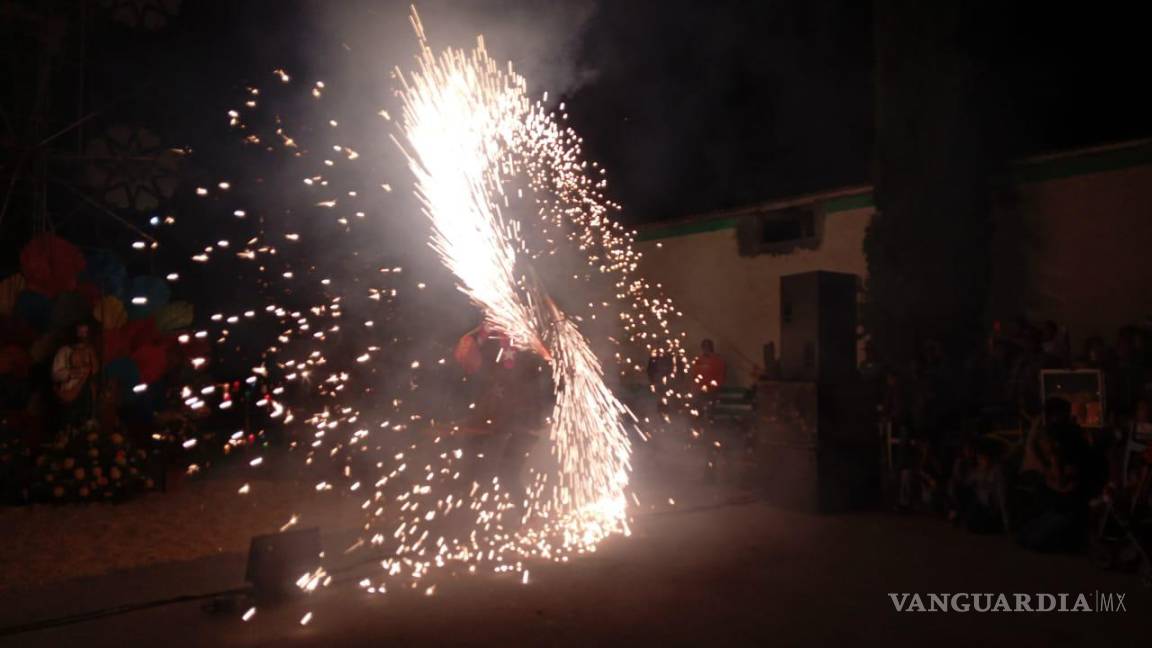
(684, 229)
(1082, 165)
(848, 203)
(1022, 173)
(830, 206)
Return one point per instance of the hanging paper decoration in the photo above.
(142, 14)
(14, 359)
(109, 311)
(10, 288)
(131, 168)
(141, 331)
(50, 264)
(196, 348)
(125, 372)
(15, 331)
(68, 309)
(35, 308)
(174, 316)
(106, 271)
(117, 344)
(122, 341)
(146, 295)
(44, 347)
(89, 292)
(152, 361)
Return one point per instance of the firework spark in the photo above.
(504, 186)
(468, 125)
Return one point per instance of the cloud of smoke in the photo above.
(355, 46)
(540, 37)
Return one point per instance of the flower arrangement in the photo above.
(88, 465)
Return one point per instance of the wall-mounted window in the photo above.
(778, 231)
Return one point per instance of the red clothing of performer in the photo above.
(509, 400)
(709, 369)
(484, 343)
(506, 380)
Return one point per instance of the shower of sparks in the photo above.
(504, 186)
(468, 124)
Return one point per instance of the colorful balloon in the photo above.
(50, 264)
(152, 361)
(106, 271)
(69, 309)
(109, 311)
(125, 372)
(34, 308)
(146, 295)
(10, 289)
(174, 316)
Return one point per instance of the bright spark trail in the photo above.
(504, 187)
(467, 123)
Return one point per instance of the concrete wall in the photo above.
(1077, 250)
(1073, 243)
(736, 300)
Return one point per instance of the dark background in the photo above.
(692, 106)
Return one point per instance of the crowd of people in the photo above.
(997, 449)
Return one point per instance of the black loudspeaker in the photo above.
(818, 326)
(277, 560)
(817, 446)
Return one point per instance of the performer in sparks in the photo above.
(709, 369)
(512, 394)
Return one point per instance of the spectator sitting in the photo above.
(920, 481)
(976, 490)
(1140, 432)
(1126, 381)
(1026, 373)
(933, 391)
(1142, 422)
(1054, 346)
(1070, 478)
(995, 381)
(1095, 355)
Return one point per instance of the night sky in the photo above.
(692, 106)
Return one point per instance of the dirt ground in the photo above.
(705, 566)
(45, 544)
